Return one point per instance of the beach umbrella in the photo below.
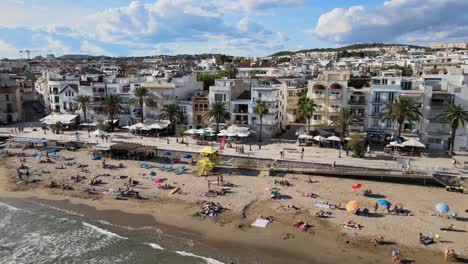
(333, 138)
(352, 206)
(442, 208)
(384, 202)
(166, 153)
(356, 186)
(186, 156)
(152, 173)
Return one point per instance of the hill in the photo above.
(75, 57)
(353, 46)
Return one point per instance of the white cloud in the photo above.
(91, 49)
(7, 49)
(56, 46)
(394, 20)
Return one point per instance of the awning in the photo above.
(304, 136)
(413, 143)
(320, 138)
(99, 132)
(28, 140)
(53, 119)
(333, 138)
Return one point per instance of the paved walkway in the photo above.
(270, 151)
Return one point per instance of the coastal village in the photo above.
(365, 144)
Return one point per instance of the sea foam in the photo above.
(208, 260)
(12, 208)
(103, 231)
(155, 246)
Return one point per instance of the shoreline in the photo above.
(230, 232)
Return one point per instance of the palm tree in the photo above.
(306, 109)
(173, 113)
(343, 121)
(83, 104)
(260, 109)
(140, 95)
(401, 110)
(456, 116)
(218, 113)
(112, 107)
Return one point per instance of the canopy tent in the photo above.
(320, 138)
(55, 118)
(304, 136)
(149, 125)
(99, 133)
(103, 146)
(333, 138)
(192, 131)
(413, 143)
(395, 144)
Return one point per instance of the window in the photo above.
(391, 97)
(220, 97)
(384, 81)
(318, 92)
(457, 90)
(317, 117)
(259, 95)
(199, 118)
(9, 108)
(389, 124)
(435, 141)
(335, 92)
(376, 109)
(376, 82)
(335, 107)
(7, 97)
(377, 97)
(375, 122)
(183, 108)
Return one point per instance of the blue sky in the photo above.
(236, 27)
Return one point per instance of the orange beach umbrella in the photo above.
(352, 206)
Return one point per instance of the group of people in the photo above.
(211, 209)
(283, 183)
(240, 149)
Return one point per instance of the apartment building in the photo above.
(11, 101)
(358, 97)
(383, 91)
(330, 93)
(200, 106)
(296, 89)
(274, 94)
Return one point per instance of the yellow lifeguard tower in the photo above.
(210, 157)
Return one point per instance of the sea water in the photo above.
(31, 232)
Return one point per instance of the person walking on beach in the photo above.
(376, 206)
(302, 151)
(454, 162)
(209, 185)
(302, 156)
(333, 164)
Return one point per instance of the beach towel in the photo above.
(259, 222)
(322, 205)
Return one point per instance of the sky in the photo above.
(234, 27)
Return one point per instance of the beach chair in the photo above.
(163, 167)
(170, 168)
(180, 170)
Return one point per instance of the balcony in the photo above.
(333, 109)
(357, 102)
(318, 96)
(335, 96)
(376, 113)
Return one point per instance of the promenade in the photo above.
(269, 150)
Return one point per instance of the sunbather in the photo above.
(450, 255)
(311, 195)
(425, 240)
(451, 227)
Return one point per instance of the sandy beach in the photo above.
(325, 242)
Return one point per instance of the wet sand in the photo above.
(230, 232)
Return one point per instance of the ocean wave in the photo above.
(12, 208)
(103, 231)
(155, 246)
(61, 210)
(120, 226)
(208, 260)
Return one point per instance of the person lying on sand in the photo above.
(450, 255)
(352, 224)
(323, 214)
(291, 206)
(268, 218)
(61, 167)
(425, 240)
(311, 195)
(66, 187)
(451, 227)
(302, 225)
(52, 184)
(309, 180)
(95, 181)
(121, 166)
(165, 187)
(377, 241)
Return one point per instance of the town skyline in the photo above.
(239, 28)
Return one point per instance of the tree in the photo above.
(172, 113)
(306, 109)
(401, 110)
(112, 107)
(357, 145)
(83, 104)
(219, 113)
(456, 116)
(208, 79)
(260, 109)
(140, 95)
(230, 72)
(343, 121)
